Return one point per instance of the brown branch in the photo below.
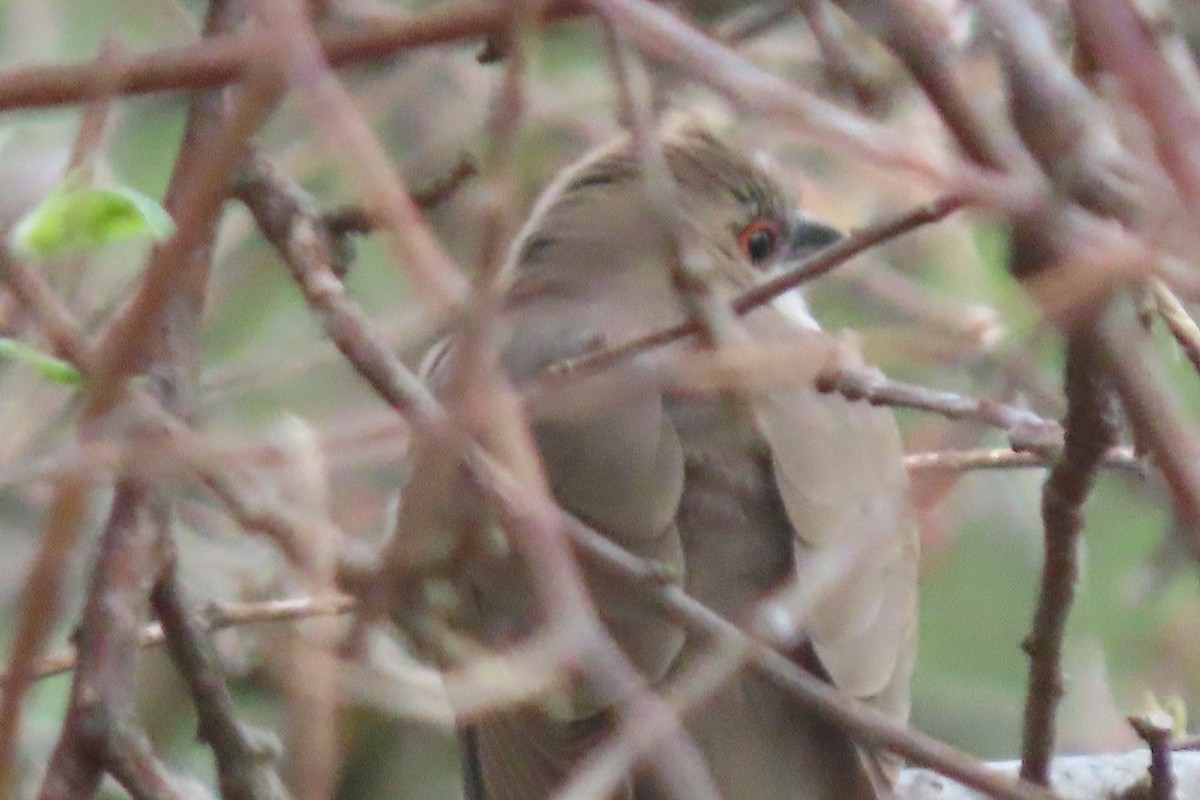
(97, 734)
(1123, 44)
(752, 21)
(289, 220)
(1156, 733)
(355, 220)
(1159, 423)
(214, 617)
(1091, 429)
(821, 262)
(1026, 430)
(212, 63)
(57, 322)
(848, 71)
(868, 726)
(244, 768)
(170, 299)
(41, 604)
(1120, 458)
(1179, 322)
(664, 37)
(759, 366)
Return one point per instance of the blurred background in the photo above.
(937, 308)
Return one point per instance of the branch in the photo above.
(868, 726)
(211, 63)
(1125, 46)
(1091, 429)
(572, 634)
(665, 37)
(1119, 458)
(1155, 730)
(1179, 322)
(41, 604)
(821, 262)
(97, 735)
(244, 767)
(214, 617)
(1159, 423)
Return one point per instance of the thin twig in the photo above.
(1179, 321)
(870, 727)
(1120, 458)
(356, 220)
(838, 253)
(563, 392)
(1156, 733)
(214, 617)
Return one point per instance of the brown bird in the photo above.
(802, 487)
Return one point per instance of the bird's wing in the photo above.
(517, 756)
(620, 470)
(840, 472)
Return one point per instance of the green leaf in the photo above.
(54, 369)
(74, 217)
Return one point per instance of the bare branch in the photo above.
(838, 253)
(1120, 458)
(1156, 733)
(98, 734)
(1091, 429)
(208, 64)
(244, 768)
(41, 604)
(1179, 321)
(214, 617)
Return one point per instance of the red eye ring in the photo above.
(760, 241)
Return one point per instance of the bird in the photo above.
(737, 494)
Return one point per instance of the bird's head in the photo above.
(737, 213)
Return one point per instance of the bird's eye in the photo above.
(760, 240)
